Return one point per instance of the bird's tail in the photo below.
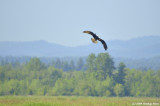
(94, 40)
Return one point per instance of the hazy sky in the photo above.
(63, 21)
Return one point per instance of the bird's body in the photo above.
(95, 38)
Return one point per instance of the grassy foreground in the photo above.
(76, 101)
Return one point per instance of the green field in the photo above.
(76, 101)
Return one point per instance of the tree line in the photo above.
(78, 63)
(99, 77)
(65, 63)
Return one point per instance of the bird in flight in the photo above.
(95, 38)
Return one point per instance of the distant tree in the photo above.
(132, 81)
(35, 64)
(156, 86)
(72, 65)
(148, 86)
(55, 74)
(80, 64)
(2, 74)
(65, 66)
(64, 87)
(58, 63)
(121, 73)
(119, 90)
(90, 62)
(104, 88)
(105, 65)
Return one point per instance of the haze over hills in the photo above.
(143, 47)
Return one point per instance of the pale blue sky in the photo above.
(62, 21)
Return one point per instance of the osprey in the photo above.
(95, 38)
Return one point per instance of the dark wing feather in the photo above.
(93, 34)
(104, 44)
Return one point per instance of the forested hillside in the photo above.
(143, 47)
(99, 78)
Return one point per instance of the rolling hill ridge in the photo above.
(143, 47)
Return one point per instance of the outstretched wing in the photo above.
(93, 34)
(97, 38)
(104, 44)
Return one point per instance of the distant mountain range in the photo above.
(143, 47)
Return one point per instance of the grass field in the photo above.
(76, 101)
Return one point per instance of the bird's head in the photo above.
(86, 32)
